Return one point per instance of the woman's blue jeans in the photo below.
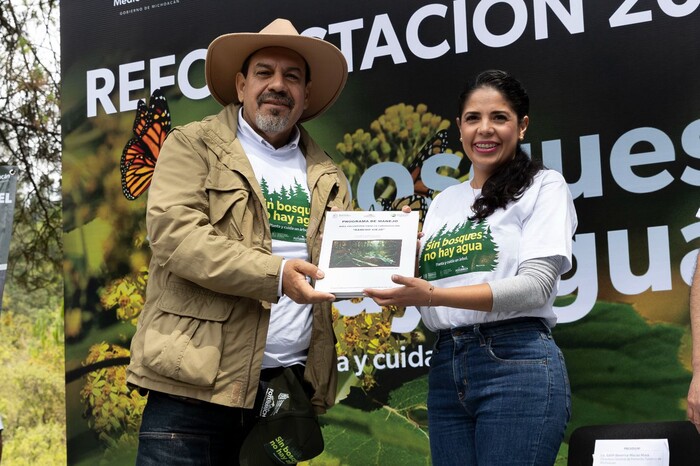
(498, 395)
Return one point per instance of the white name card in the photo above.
(631, 452)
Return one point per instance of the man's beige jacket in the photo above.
(212, 276)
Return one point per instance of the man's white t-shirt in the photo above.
(456, 251)
(282, 177)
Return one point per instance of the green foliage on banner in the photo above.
(622, 368)
(395, 433)
(112, 409)
(368, 334)
(398, 136)
(411, 400)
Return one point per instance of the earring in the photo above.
(460, 139)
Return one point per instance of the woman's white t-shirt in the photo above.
(456, 251)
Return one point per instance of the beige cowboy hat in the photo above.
(226, 54)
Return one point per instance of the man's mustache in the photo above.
(276, 97)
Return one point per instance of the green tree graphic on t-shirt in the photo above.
(468, 247)
(284, 194)
(288, 211)
(298, 193)
(263, 187)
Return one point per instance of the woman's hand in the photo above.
(414, 292)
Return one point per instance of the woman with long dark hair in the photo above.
(491, 256)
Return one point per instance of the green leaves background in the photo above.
(622, 368)
(394, 433)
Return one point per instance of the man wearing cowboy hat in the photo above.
(235, 214)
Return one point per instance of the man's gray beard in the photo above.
(271, 123)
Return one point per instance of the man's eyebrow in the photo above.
(262, 65)
(268, 65)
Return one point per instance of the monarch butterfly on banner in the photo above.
(421, 193)
(437, 145)
(140, 154)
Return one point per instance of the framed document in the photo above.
(362, 249)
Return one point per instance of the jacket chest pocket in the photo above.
(229, 198)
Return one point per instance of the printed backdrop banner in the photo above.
(615, 107)
(8, 188)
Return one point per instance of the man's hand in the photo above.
(407, 210)
(296, 286)
(693, 411)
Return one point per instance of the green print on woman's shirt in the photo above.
(468, 247)
(288, 212)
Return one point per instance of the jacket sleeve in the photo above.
(345, 190)
(182, 236)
